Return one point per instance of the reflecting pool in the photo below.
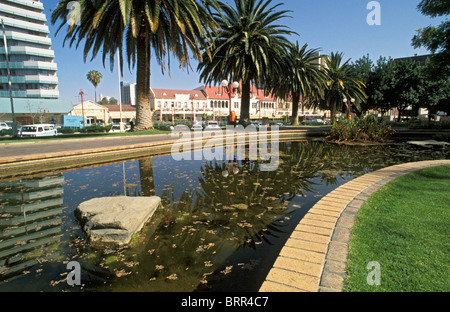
(220, 226)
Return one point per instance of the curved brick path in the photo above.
(315, 256)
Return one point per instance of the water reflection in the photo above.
(220, 226)
(30, 223)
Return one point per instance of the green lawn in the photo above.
(405, 227)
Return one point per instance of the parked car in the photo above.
(181, 128)
(116, 128)
(4, 126)
(212, 125)
(39, 130)
(197, 127)
(314, 122)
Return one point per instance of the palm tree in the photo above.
(249, 47)
(303, 77)
(343, 83)
(112, 26)
(94, 77)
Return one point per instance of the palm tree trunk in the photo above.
(95, 94)
(295, 102)
(144, 114)
(245, 104)
(333, 111)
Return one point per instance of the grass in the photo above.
(405, 228)
(81, 136)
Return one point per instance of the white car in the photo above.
(116, 128)
(41, 130)
(212, 125)
(197, 127)
(4, 126)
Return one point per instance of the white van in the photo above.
(212, 125)
(4, 126)
(38, 131)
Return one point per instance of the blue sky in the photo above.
(332, 25)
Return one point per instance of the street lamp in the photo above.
(230, 87)
(349, 104)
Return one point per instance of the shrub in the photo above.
(367, 129)
(66, 130)
(96, 128)
(5, 132)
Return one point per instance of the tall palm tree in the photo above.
(94, 77)
(112, 26)
(343, 82)
(249, 47)
(303, 76)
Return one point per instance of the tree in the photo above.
(436, 38)
(249, 47)
(303, 76)
(112, 26)
(342, 82)
(434, 94)
(401, 85)
(108, 101)
(94, 77)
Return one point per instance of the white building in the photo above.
(31, 61)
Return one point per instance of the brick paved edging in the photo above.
(315, 256)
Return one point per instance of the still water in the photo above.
(220, 227)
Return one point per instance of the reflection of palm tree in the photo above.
(146, 176)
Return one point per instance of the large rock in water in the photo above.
(115, 219)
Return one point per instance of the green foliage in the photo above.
(96, 128)
(398, 84)
(108, 27)
(248, 46)
(343, 81)
(5, 132)
(436, 38)
(368, 129)
(94, 77)
(111, 101)
(303, 76)
(66, 130)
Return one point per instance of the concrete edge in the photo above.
(314, 258)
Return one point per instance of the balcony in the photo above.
(42, 93)
(31, 65)
(25, 25)
(29, 51)
(13, 10)
(15, 35)
(31, 4)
